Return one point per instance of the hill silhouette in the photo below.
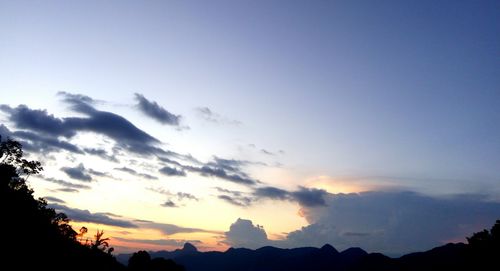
(481, 253)
(35, 237)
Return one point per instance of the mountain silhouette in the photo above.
(458, 256)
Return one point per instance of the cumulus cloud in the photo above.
(394, 222)
(155, 111)
(208, 115)
(86, 216)
(243, 233)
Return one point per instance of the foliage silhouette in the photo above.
(35, 236)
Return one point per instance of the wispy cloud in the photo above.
(155, 111)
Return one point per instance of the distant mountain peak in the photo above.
(188, 247)
(329, 248)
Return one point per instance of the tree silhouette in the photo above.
(35, 236)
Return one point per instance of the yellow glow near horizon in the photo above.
(336, 185)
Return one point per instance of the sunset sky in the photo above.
(250, 123)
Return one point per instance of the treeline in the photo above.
(35, 237)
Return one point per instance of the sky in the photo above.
(251, 123)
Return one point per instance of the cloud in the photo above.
(208, 115)
(243, 233)
(170, 204)
(272, 193)
(155, 111)
(86, 216)
(109, 124)
(37, 120)
(264, 151)
(169, 171)
(308, 197)
(135, 173)
(393, 222)
(169, 229)
(222, 174)
(38, 143)
(101, 153)
(67, 185)
(238, 201)
(160, 242)
(180, 195)
(54, 199)
(77, 173)
(68, 190)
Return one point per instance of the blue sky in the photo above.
(348, 96)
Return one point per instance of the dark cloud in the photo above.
(109, 124)
(77, 173)
(208, 115)
(222, 174)
(38, 143)
(309, 197)
(41, 144)
(37, 120)
(155, 111)
(68, 190)
(238, 201)
(135, 173)
(170, 161)
(169, 171)
(272, 193)
(169, 203)
(243, 233)
(232, 165)
(306, 197)
(66, 185)
(54, 199)
(101, 153)
(112, 125)
(86, 216)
